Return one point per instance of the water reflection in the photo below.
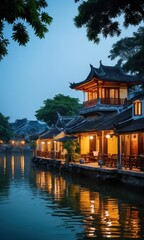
(15, 165)
(103, 215)
(81, 208)
(12, 167)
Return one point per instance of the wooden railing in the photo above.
(111, 101)
(51, 155)
(129, 162)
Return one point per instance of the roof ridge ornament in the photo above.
(91, 66)
(101, 70)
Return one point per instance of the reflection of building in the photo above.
(13, 166)
(102, 215)
(16, 165)
(54, 185)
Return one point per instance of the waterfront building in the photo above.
(49, 144)
(131, 134)
(109, 95)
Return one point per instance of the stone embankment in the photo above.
(93, 170)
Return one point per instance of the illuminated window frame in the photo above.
(137, 108)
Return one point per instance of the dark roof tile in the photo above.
(111, 74)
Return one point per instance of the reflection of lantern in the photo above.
(22, 143)
(91, 137)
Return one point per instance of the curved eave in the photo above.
(81, 85)
(94, 76)
(86, 86)
(92, 84)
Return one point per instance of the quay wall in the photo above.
(95, 172)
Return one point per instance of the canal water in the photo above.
(38, 204)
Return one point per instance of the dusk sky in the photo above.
(44, 68)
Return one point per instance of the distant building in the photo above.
(25, 130)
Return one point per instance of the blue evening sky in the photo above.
(44, 68)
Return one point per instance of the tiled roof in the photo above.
(101, 121)
(111, 74)
(131, 126)
(27, 128)
(50, 133)
(63, 120)
(138, 96)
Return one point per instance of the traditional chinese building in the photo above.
(49, 143)
(131, 134)
(106, 91)
(24, 130)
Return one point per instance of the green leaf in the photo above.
(20, 34)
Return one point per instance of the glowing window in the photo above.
(137, 108)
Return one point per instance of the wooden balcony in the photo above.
(109, 101)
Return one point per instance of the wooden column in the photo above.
(84, 97)
(102, 146)
(119, 164)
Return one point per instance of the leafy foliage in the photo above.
(130, 52)
(5, 131)
(64, 105)
(73, 150)
(101, 16)
(21, 14)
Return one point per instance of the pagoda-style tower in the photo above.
(105, 87)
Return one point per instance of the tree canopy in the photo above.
(21, 14)
(101, 16)
(5, 130)
(65, 105)
(130, 52)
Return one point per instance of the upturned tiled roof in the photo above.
(111, 74)
(63, 120)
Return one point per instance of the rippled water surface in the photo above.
(37, 204)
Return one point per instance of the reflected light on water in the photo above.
(12, 166)
(4, 164)
(22, 165)
(89, 212)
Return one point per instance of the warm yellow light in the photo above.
(42, 142)
(12, 142)
(108, 136)
(48, 143)
(91, 137)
